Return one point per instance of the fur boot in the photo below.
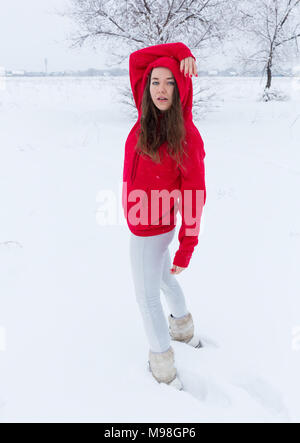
(182, 329)
(161, 364)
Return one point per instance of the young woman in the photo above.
(163, 162)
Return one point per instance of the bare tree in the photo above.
(123, 26)
(139, 23)
(274, 29)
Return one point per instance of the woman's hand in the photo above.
(188, 67)
(176, 270)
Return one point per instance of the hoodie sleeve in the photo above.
(139, 60)
(193, 198)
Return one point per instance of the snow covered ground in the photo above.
(72, 344)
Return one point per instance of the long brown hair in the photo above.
(157, 127)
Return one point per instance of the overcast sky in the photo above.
(30, 31)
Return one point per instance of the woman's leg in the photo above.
(172, 290)
(147, 259)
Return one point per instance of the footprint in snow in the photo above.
(205, 389)
(262, 391)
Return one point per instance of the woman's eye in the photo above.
(170, 83)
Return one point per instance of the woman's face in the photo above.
(162, 86)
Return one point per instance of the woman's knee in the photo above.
(147, 299)
(169, 281)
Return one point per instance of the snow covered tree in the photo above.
(140, 23)
(127, 25)
(274, 29)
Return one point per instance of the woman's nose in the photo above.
(162, 89)
(162, 92)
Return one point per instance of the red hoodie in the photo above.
(142, 176)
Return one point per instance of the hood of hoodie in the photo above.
(184, 84)
(185, 87)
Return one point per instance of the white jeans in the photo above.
(150, 265)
